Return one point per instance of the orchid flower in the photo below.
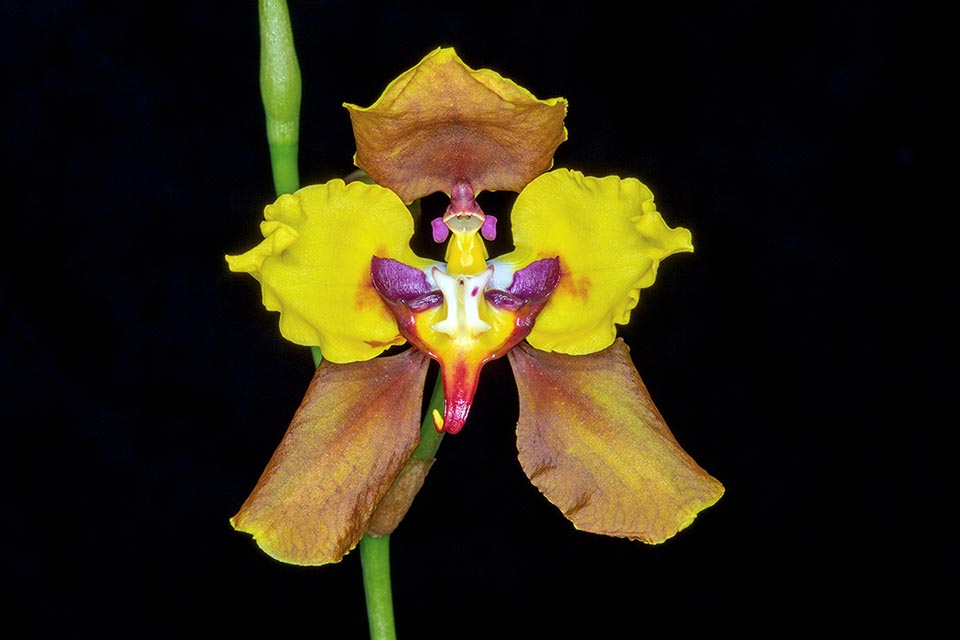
(336, 263)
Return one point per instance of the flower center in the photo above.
(466, 253)
(463, 323)
(463, 296)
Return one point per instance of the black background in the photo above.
(145, 386)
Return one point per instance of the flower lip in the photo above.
(531, 286)
(537, 280)
(477, 324)
(462, 295)
(399, 282)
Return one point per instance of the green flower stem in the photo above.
(283, 163)
(280, 88)
(429, 438)
(375, 560)
(375, 552)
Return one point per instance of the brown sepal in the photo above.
(591, 439)
(396, 503)
(356, 428)
(442, 121)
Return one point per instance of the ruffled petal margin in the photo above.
(314, 266)
(610, 239)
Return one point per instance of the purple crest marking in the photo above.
(398, 282)
(533, 283)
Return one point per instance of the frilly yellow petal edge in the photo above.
(610, 239)
(314, 266)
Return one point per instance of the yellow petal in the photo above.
(610, 240)
(314, 266)
(442, 121)
(346, 445)
(591, 439)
